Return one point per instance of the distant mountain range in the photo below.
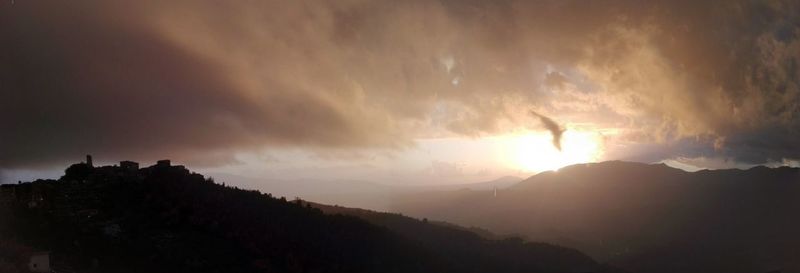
(165, 218)
(643, 218)
(632, 216)
(354, 193)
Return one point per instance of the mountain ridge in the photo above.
(165, 218)
(623, 212)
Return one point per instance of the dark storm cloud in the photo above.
(200, 80)
(87, 78)
(75, 84)
(772, 144)
(553, 127)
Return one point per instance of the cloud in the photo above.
(722, 71)
(200, 80)
(553, 127)
(88, 78)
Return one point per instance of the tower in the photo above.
(89, 161)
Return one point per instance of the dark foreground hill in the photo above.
(644, 218)
(459, 243)
(165, 219)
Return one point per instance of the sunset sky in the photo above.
(397, 91)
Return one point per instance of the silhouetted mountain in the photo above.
(644, 218)
(166, 219)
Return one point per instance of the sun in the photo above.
(534, 152)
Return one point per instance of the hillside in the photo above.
(644, 218)
(461, 243)
(166, 219)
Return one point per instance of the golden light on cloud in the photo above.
(534, 152)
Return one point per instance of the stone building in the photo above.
(129, 165)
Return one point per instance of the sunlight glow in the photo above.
(534, 152)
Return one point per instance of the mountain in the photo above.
(643, 218)
(354, 193)
(459, 243)
(164, 218)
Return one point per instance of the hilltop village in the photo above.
(164, 218)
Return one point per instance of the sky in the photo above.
(398, 91)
